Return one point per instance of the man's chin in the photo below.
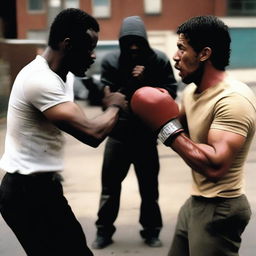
(187, 80)
(194, 77)
(80, 73)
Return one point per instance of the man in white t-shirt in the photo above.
(40, 106)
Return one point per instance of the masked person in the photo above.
(40, 106)
(135, 65)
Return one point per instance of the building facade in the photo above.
(161, 18)
(29, 20)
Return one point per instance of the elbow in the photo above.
(215, 175)
(213, 179)
(94, 141)
(95, 145)
(91, 137)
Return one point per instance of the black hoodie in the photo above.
(117, 67)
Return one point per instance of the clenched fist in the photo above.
(113, 99)
(138, 71)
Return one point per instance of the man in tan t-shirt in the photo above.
(212, 133)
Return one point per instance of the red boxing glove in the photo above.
(156, 107)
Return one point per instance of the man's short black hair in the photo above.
(71, 23)
(208, 31)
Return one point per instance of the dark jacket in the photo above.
(116, 73)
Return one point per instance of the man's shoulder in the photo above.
(38, 78)
(239, 89)
(37, 69)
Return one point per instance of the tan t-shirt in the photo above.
(229, 106)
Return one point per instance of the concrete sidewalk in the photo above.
(82, 189)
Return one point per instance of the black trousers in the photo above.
(35, 209)
(118, 156)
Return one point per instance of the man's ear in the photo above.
(205, 54)
(66, 44)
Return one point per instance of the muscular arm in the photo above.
(70, 118)
(213, 159)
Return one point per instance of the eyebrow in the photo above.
(180, 45)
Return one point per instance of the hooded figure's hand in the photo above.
(138, 71)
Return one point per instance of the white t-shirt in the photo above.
(32, 143)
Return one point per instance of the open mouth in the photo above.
(176, 67)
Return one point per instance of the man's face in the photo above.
(82, 55)
(187, 61)
(134, 48)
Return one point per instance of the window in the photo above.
(153, 6)
(54, 7)
(72, 4)
(55, 3)
(101, 8)
(242, 7)
(36, 5)
(37, 35)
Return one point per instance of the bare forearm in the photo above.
(104, 123)
(200, 157)
(94, 131)
(212, 159)
(71, 119)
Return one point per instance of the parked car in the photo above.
(89, 87)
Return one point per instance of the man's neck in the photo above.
(54, 59)
(211, 77)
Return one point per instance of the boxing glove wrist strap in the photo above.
(169, 130)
